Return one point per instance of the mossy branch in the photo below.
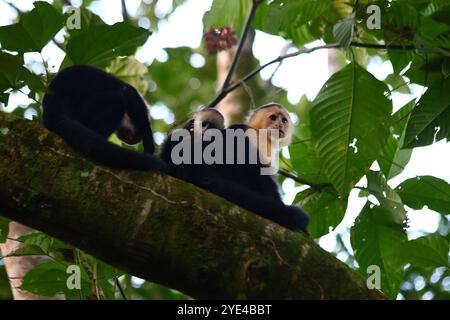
(159, 228)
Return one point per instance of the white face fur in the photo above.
(273, 117)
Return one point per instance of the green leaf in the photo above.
(5, 287)
(49, 279)
(10, 68)
(100, 44)
(13, 75)
(168, 79)
(400, 60)
(404, 16)
(43, 241)
(446, 68)
(4, 98)
(392, 158)
(426, 46)
(88, 20)
(227, 13)
(426, 191)
(326, 210)
(27, 250)
(435, 6)
(35, 29)
(427, 70)
(350, 120)
(426, 252)
(388, 198)
(375, 239)
(303, 154)
(430, 119)
(397, 83)
(130, 71)
(285, 17)
(4, 229)
(343, 31)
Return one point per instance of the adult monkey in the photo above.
(85, 105)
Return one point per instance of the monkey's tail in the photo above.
(96, 148)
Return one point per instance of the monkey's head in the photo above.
(272, 116)
(210, 119)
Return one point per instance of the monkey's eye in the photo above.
(273, 117)
(285, 121)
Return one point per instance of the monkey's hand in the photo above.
(149, 147)
(299, 220)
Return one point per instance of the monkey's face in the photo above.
(276, 120)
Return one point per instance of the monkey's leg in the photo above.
(137, 111)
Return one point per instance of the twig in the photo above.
(13, 6)
(58, 44)
(45, 68)
(92, 274)
(382, 46)
(249, 92)
(125, 15)
(22, 92)
(283, 52)
(237, 56)
(249, 76)
(318, 187)
(122, 293)
(235, 85)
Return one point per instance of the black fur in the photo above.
(240, 183)
(85, 105)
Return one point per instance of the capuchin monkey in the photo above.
(85, 105)
(240, 182)
(275, 119)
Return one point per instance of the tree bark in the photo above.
(159, 228)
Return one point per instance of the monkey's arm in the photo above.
(137, 111)
(93, 146)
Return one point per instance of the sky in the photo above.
(301, 75)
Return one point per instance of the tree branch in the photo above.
(159, 228)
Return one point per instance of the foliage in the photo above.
(343, 132)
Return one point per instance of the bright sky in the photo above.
(301, 75)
